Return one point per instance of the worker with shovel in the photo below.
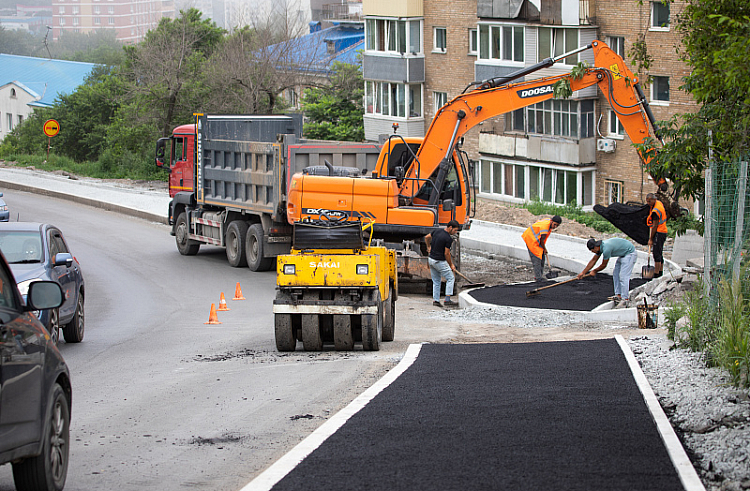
(535, 238)
(441, 264)
(624, 251)
(657, 224)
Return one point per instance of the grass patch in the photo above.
(128, 166)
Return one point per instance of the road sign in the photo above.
(51, 128)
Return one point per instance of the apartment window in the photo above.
(62, 9)
(393, 35)
(615, 126)
(519, 182)
(501, 42)
(110, 9)
(587, 119)
(660, 89)
(555, 117)
(613, 191)
(473, 41)
(111, 21)
(75, 21)
(504, 179)
(20, 118)
(555, 41)
(97, 20)
(440, 41)
(392, 99)
(660, 15)
(62, 21)
(439, 99)
(76, 9)
(617, 43)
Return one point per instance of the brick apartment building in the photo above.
(131, 19)
(421, 53)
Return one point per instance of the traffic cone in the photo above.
(238, 293)
(212, 317)
(223, 304)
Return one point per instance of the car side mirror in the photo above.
(44, 295)
(63, 259)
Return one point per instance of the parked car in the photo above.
(4, 213)
(38, 251)
(35, 389)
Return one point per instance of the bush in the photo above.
(572, 212)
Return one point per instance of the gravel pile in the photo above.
(710, 416)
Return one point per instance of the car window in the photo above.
(7, 296)
(21, 246)
(57, 244)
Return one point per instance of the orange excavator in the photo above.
(422, 183)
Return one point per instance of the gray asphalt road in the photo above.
(163, 401)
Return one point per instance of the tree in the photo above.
(716, 39)
(163, 72)
(335, 112)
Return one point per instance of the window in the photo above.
(613, 191)
(615, 126)
(557, 41)
(10, 121)
(555, 117)
(75, 21)
(439, 100)
(62, 21)
(97, 20)
(660, 15)
(520, 182)
(110, 10)
(660, 89)
(473, 41)
(440, 42)
(390, 99)
(12, 93)
(62, 9)
(617, 43)
(501, 42)
(393, 35)
(111, 21)
(76, 9)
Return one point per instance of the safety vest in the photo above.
(661, 213)
(536, 236)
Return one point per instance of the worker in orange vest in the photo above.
(536, 239)
(657, 222)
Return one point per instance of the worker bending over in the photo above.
(624, 251)
(657, 222)
(536, 242)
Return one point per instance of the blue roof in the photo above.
(43, 78)
(311, 52)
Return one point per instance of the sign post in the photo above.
(51, 128)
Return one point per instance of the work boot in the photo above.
(450, 303)
(437, 304)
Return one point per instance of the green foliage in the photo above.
(561, 89)
(674, 312)
(732, 348)
(640, 55)
(572, 212)
(716, 39)
(335, 112)
(699, 333)
(680, 225)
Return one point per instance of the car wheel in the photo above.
(53, 325)
(186, 246)
(73, 330)
(49, 469)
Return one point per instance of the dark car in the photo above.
(38, 251)
(35, 390)
(4, 213)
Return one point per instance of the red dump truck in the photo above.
(229, 178)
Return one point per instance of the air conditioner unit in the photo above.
(606, 145)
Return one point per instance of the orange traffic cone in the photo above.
(223, 304)
(212, 317)
(238, 293)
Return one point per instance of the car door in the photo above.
(63, 274)
(21, 371)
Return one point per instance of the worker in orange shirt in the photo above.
(657, 223)
(535, 238)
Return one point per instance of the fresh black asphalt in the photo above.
(535, 416)
(585, 294)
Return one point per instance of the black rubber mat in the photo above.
(562, 416)
(584, 294)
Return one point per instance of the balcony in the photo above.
(388, 68)
(541, 148)
(393, 8)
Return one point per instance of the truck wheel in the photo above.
(285, 338)
(235, 241)
(372, 326)
(389, 318)
(186, 246)
(254, 250)
(311, 339)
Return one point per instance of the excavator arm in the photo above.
(499, 96)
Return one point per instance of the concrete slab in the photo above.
(686, 247)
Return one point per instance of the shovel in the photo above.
(647, 272)
(550, 274)
(471, 284)
(535, 292)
